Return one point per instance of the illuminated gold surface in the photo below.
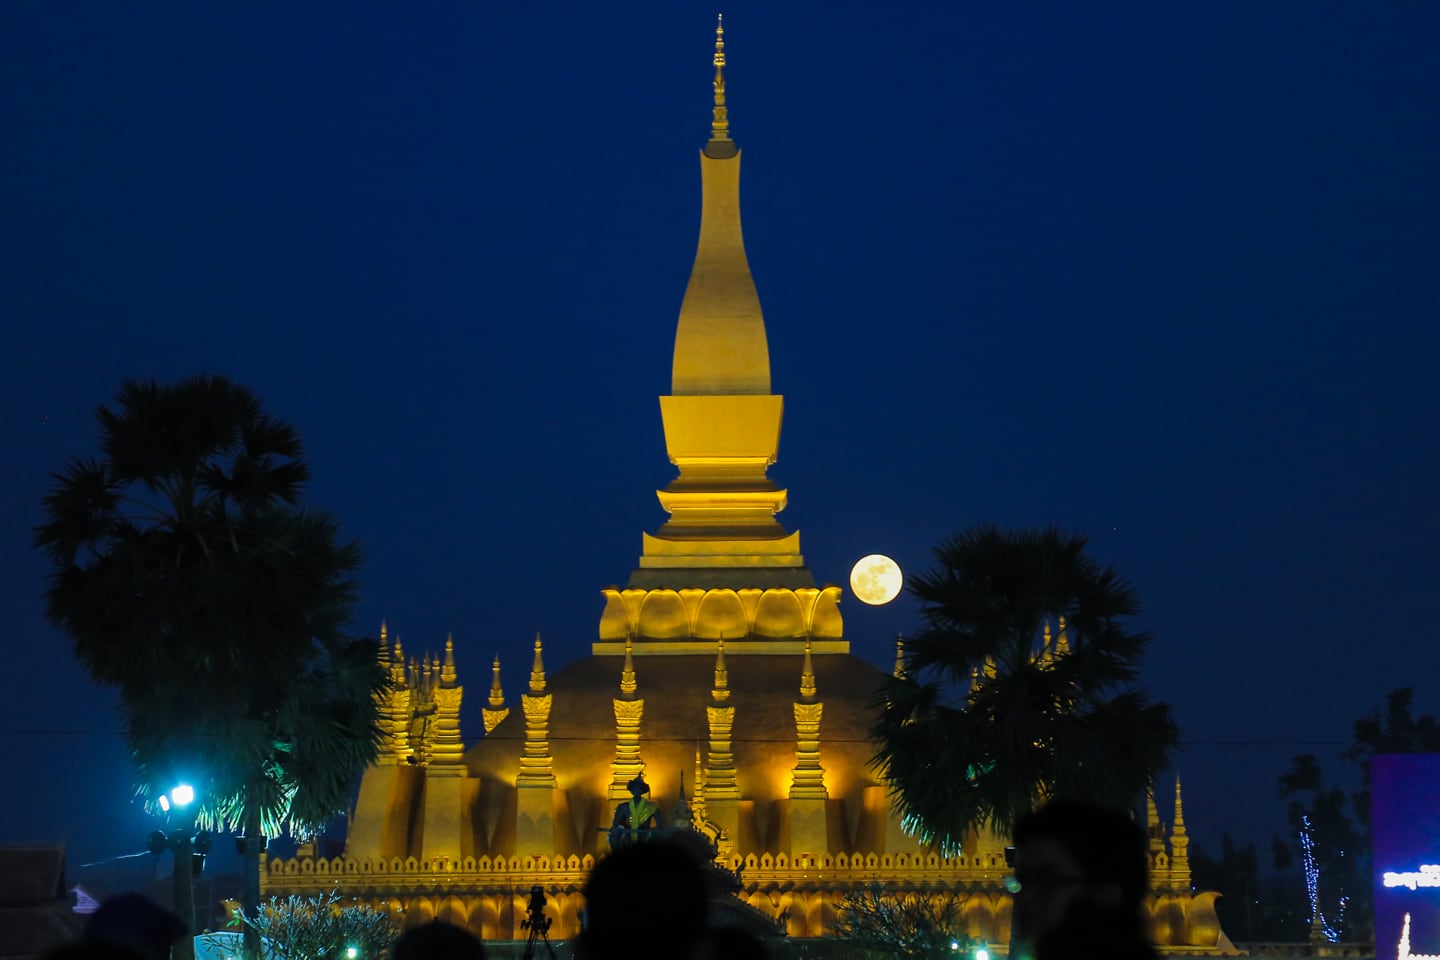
(750, 619)
(720, 122)
(721, 617)
(721, 422)
(535, 761)
(492, 715)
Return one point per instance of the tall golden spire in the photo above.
(720, 345)
(1179, 844)
(720, 124)
(629, 711)
(899, 657)
(722, 423)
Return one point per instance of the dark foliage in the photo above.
(189, 578)
(999, 707)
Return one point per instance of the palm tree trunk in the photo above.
(250, 892)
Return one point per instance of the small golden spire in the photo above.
(627, 673)
(899, 657)
(1179, 828)
(807, 674)
(397, 663)
(721, 691)
(384, 634)
(447, 670)
(1153, 829)
(1062, 642)
(720, 124)
(537, 669)
(497, 694)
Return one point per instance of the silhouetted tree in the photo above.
(1019, 687)
(189, 579)
(1337, 825)
(1393, 731)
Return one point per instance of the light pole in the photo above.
(189, 860)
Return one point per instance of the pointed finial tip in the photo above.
(720, 147)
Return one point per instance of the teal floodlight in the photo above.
(182, 795)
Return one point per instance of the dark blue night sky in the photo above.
(1162, 273)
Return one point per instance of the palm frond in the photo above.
(992, 716)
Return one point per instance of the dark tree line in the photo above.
(1335, 826)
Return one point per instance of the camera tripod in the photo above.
(538, 924)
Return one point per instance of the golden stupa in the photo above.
(721, 671)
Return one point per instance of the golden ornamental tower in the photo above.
(629, 711)
(497, 711)
(722, 565)
(718, 620)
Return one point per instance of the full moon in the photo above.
(876, 579)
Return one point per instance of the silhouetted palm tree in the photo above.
(189, 579)
(1001, 708)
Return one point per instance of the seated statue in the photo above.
(636, 818)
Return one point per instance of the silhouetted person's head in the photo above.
(438, 940)
(648, 897)
(1083, 870)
